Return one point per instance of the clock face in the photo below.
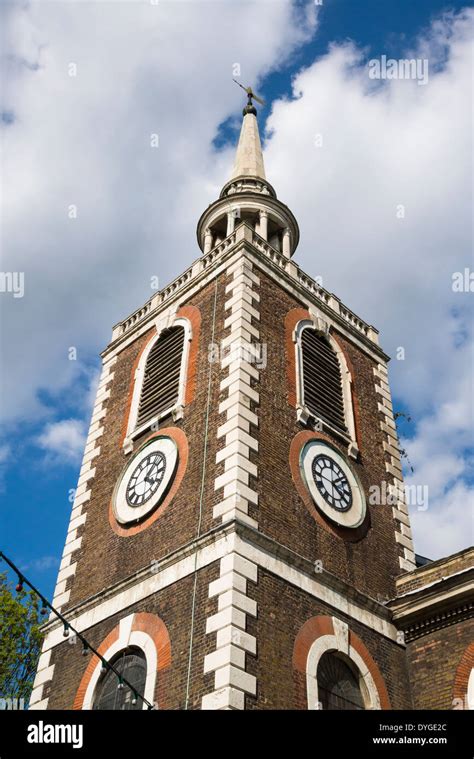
(146, 480)
(333, 484)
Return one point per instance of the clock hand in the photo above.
(323, 477)
(333, 484)
(149, 472)
(342, 491)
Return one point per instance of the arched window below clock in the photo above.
(338, 684)
(140, 646)
(159, 384)
(324, 382)
(114, 694)
(336, 667)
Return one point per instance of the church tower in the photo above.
(239, 523)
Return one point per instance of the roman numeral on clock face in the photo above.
(146, 478)
(332, 482)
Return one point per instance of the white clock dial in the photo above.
(333, 484)
(146, 480)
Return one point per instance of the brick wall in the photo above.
(436, 571)
(283, 610)
(370, 564)
(173, 606)
(104, 557)
(433, 664)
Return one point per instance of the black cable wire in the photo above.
(67, 626)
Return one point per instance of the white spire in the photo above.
(249, 197)
(249, 158)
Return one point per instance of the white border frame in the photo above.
(126, 639)
(355, 515)
(177, 409)
(339, 642)
(321, 326)
(128, 515)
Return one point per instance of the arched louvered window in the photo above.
(111, 694)
(338, 686)
(160, 388)
(322, 382)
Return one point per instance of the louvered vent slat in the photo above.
(322, 379)
(326, 393)
(162, 372)
(326, 376)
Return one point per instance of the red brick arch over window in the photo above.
(193, 315)
(461, 678)
(315, 628)
(153, 626)
(292, 318)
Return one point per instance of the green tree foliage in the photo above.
(20, 640)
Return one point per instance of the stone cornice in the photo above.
(306, 566)
(205, 268)
(417, 628)
(436, 570)
(189, 549)
(253, 538)
(435, 605)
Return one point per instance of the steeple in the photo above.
(249, 158)
(248, 197)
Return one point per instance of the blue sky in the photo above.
(381, 28)
(79, 281)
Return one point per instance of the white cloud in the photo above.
(84, 140)
(439, 453)
(41, 564)
(5, 458)
(64, 440)
(440, 527)
(5, 452)
(89, 400)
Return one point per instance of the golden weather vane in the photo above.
(250, 94)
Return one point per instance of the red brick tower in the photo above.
(231, 543)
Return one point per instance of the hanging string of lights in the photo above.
(68, 628)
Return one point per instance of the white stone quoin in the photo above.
(393, 467)
(78, 517)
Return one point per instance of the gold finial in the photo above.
(250, 108)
